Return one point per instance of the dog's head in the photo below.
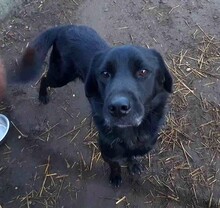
(127, 79)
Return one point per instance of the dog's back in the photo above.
(75, 45)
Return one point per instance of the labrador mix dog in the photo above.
(127, 87)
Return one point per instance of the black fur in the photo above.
(127, 87)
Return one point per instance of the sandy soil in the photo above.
(50, 157)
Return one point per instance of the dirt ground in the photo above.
(50, 157)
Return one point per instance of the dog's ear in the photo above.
(164, 76)
(91, 85)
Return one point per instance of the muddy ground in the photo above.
(50, 157)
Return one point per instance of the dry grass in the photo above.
(49, 191)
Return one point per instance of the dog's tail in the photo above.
(34, 55)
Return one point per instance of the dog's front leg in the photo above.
(110, 151)
(134, 167)
(115, 174)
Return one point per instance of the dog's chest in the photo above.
(132, 139)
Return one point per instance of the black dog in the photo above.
(127, 87)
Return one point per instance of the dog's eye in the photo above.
(142, 73)
(105, 74)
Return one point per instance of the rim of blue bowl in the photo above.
(7, 126)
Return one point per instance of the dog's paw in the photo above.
(135, 168)
(44, 99)
(115, 180)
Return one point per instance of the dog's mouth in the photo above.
(124, 122)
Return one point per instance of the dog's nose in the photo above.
(119, 106)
